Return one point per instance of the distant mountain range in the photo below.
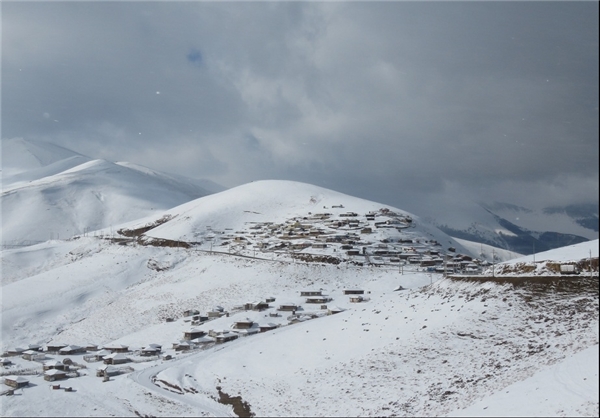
(51, 192)
(524, 234)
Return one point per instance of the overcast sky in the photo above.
(405, 103)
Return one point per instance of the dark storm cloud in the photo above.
(377, 99)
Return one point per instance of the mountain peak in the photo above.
(19, 155)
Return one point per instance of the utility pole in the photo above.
(493, 262)
(534, 251)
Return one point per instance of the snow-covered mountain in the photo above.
(49, 192)
(264, 210)
(275, 298)
(519, 229)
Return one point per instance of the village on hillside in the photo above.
(379, 238)
(57, 362)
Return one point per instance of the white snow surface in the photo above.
(438, 347)
(573, 252)
(49, 192)
(487, 252)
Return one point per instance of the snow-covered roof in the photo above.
(203, 340)
(115, 346)
(268, 325)
(116, 356)
(53, 372)
(18, 379)
(194, 330)
(70, 348)
(107, 368)
(245, 331)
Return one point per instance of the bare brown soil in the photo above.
(240, 407)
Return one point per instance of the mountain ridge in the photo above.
(59, 193)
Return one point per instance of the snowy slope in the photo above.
(574, 252)
(487, 252)
(270, 203)
(55, 193)
(417, 345)
(582, 258)
(438, 347)
(26, 160)
(568, 388)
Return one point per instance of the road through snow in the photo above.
(198, 401)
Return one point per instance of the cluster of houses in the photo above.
(114, 356)
(110, 355)
(196, 337)
(348, 236)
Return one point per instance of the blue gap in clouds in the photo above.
(195, 57)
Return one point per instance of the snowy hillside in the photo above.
(287, 220)
(574, 260)
(437, 347)
(274, 298)
(275, 202)
(49, 192)
(487, 252)
(24, 160)
(574, 252)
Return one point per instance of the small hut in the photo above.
(193, 333)
(310, 293)
(289, 307)
(243, 324)
(54, 374)
(99, 355)
(107, 370)
(267, 327)
(54, 364)
(354, 292)
(149, 351)
(225, 337)
(117, 348)
(116, 358)
(70, 350)
(16, 381)
(54, 347)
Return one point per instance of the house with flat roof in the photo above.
(16, 382)
(54, 374)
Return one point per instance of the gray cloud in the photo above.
(492, 100)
